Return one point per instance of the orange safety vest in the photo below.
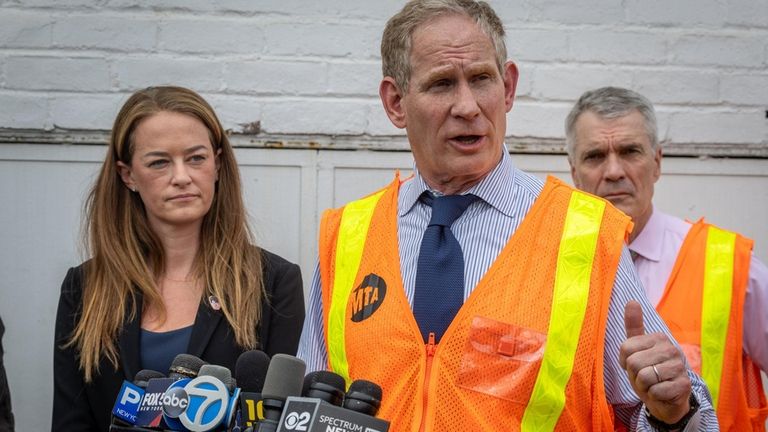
(703, 305)
(525, 350)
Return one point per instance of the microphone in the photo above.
(129, 397)
(285, 377)
(363, 397)
(223, 374)
(313, 414)
(185, 366)
(250, 372)
(201, 404)
(324, 385)
(151, 409)
(127, 403)
(143, 376)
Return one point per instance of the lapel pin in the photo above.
(214, 301)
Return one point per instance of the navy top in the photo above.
(159, 349)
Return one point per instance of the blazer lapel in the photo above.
(129, 343)
(205, 324)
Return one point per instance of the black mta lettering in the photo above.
(367, 297)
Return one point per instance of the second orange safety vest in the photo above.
(525, 350)
(703, 306)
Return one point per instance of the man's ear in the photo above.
(392, 97)
(575, 180)
(657, 160)
(125, 174)
(510, 83)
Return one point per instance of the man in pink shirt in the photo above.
(614, 152)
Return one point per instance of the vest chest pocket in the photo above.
(501, 359)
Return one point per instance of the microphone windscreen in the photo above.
(185, 366)
(285, 377)
(223, 374)
(325, 377)
(219, 372)
(324, 385)
(143, 376)
(363, 397)
(251, 370)
(366, 387)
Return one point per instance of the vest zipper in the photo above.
(431, 348)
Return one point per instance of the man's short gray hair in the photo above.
(397, 38)
(611, 103)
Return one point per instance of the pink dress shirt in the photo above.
(655, 250)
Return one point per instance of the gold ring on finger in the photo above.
(656, 371)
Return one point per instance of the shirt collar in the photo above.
(495, 188)
(648, 243)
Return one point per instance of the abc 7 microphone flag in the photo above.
(201, 404)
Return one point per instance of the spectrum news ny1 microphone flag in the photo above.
(286, 411)
(325, 407)
(302, 414)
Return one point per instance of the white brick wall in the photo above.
(24, 29)
(279, 77)
(113, 33)
(84, 75)
(134, 71)
(677, 13)
(24, 110)
(313, 68)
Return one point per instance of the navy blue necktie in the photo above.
(440, 271)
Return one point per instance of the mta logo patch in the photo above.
(367, 297)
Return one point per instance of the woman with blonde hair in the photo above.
(172, 269)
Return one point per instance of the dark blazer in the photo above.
(6, 414)
(81, 407)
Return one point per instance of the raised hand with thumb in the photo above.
(655, 368)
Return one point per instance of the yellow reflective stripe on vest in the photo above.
(569, 304)
(716, 305)
(353, 230)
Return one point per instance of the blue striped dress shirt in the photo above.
(507, 194)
